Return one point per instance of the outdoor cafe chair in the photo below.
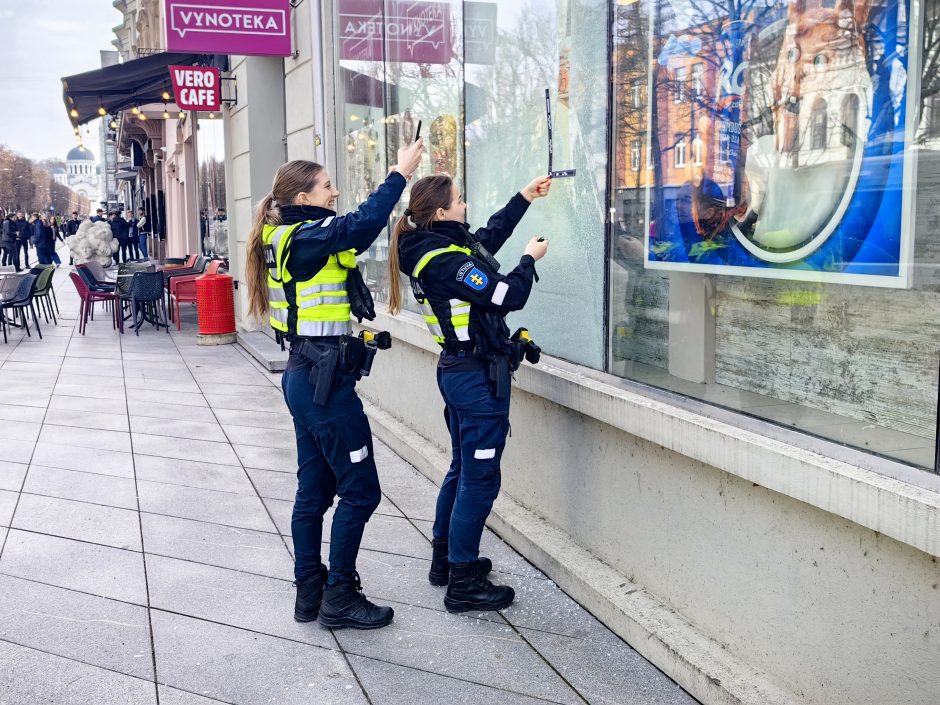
(22, 300)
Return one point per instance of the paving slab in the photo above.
(606, 670)
(257, 419)
(68, 518)
(33, 677)
(274, 484)
(263, 437)
(223, 546)
(204, 505)
(15, 412)
(207, 476)
(19, 431)
(87, 438)
(179, 428)
(391, 684)
(104, 406)
(87, 628)
(12, 475)
(253, 602)
(279, 459)
(242, 667)
(82, 486)
(184, 449)
(76, 565)
(462, 647)
(102, 462)
(156, 410)
(87, 419)
(7, 505)
(174, 696)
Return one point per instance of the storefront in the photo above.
(729, 446)
(794, 283)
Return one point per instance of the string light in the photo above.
(165, 96)
(73, 112)
(166, 113)
(142, 117)
(135, 110)
(211, 116)
(114, 124)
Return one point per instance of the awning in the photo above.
(124, 85)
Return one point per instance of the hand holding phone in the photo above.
(418, 131)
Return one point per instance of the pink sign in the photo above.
(414, 32)
(249, 27)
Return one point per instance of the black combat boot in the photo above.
(470, 591)
(440, 566)
(309, 596)
(344, 605)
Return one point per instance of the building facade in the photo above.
(728, 452)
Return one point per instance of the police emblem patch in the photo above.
(475, 279)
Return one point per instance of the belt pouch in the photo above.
(499, 376)
(323, 375)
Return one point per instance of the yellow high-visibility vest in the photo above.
(459, 310)
(313, 307)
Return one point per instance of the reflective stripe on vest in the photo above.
(459, 310)
(320, 305)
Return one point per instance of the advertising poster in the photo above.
(778, 139)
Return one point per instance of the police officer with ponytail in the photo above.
(301, 271)
(455, 277)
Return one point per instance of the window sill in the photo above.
(893, 499)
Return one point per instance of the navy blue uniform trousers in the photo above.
(478, 423)
(334, 457)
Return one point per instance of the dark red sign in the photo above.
(414, 32)
(197, 88)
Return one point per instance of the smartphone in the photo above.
(418, 131)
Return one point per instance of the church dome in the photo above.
(78, 154)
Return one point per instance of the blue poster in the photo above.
(778, 134)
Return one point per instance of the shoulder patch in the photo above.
(472, 276)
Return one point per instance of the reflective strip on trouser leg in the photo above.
(482, 440)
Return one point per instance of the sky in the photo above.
(42, 41)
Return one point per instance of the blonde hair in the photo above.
(427, 195)
(291, 178)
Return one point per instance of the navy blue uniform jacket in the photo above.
(447, 276)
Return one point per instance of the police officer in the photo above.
(455, 278)
(300, 268)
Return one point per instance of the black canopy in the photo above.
(121, 86)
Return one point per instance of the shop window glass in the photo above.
(213, 216)
(400, 63)
(553, 45)
(784, 279)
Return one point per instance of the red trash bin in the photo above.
(215, 299)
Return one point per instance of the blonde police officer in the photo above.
(299, 255)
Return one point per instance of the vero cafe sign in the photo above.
(246, 27)
(196, 88)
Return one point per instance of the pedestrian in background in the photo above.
(143, 232)
(22, 237)
(37, 236)
(8, 243)
(50, 236)
(98, 216)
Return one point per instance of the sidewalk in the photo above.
(146, 488)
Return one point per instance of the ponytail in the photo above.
(394, 275)
(291, 178)
(427, 195)
(256, 269)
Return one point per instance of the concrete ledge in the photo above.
(701, 666)
(894, 507)
(263, 349)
